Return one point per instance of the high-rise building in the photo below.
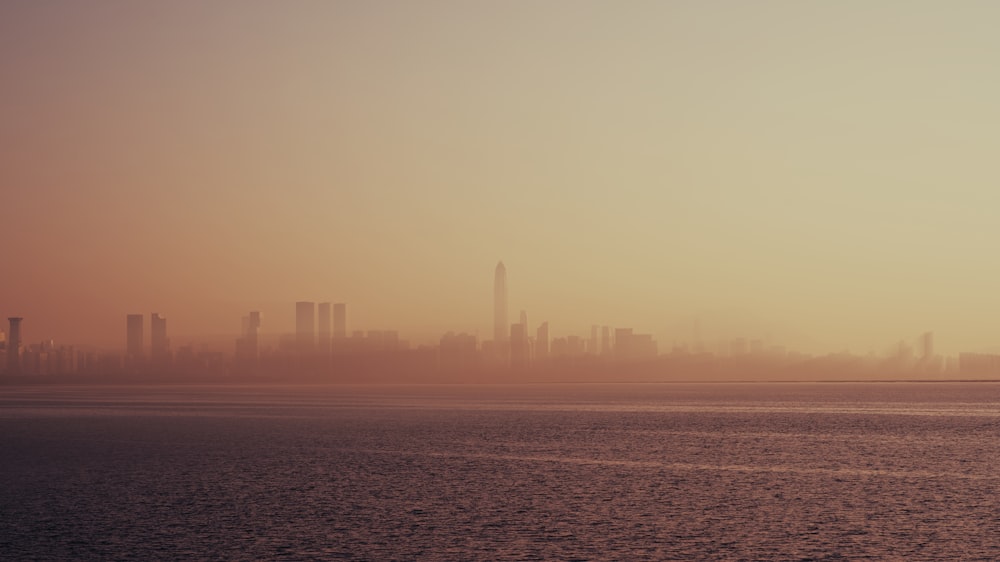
(592, 344)
(159, 345)
(324, 327)
(542, 341)
(253, 325)
(14, 346)
(605, 340)
(501, 336)
(631, 346)
(339, 321)
(623, 343)
(559, 348)
(133, 336)
(305, 326)
(375, 340)
(390, 340)
(926, 346)
(458, 352)
(248, 346)
(575, 346)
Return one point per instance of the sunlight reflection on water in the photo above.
(492, 472)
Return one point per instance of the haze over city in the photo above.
(819, 175)
(450, 280)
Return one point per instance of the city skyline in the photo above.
(476, 280)
(742, 167)
(501, 309)
(315, 323)
(319, 348)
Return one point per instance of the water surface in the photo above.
(587, 472)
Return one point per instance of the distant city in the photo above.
(323, 349)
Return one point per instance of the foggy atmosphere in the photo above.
(451, 280)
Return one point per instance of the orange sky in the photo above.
(816, 174)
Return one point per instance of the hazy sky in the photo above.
(823, 174)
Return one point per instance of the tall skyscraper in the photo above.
(254, 325)
(926, 346)
(305, 326)
(524, 322)
(248, 346)
(501, 336)
(542, 341)
(253, 332)
(324, 327)
(133, 336)
(623, 343)
(339, 321)
(159, 346)
(14, 346)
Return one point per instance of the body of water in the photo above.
(554, 472)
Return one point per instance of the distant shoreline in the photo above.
(120, 380)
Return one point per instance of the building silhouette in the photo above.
(159, 345)
(248, 345)
(575, 346)
(925, 346)
(501, 336)
(253, 328)
(339, 321)
(305, 326)
(14, 346)
(324, 328)
(542, 342)
(979, 365)
(630, 346)
(457, 352)
(133, 336)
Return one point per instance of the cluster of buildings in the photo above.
(513, 344)
(320, 337)
(322, 347)
(18, 358)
